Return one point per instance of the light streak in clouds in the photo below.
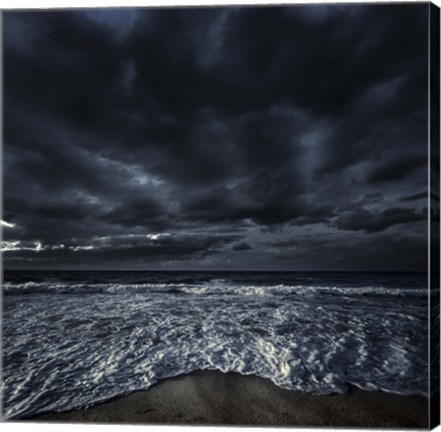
(7, 224)
(8, 246)
(81, 248)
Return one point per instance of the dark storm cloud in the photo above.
(415, 197)
(241, 247)
(371, 222)
(378, 249)
(216, 126)
(395, 170)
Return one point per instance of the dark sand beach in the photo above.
(215, 398)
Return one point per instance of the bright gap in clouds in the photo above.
(7, 224)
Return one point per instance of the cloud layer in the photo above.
(287, 138)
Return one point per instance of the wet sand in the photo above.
(215, 398)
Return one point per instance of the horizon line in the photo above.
(214, 270)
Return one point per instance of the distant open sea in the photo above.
(71, 339)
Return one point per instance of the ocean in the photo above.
(75, 338)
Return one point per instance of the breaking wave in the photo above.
(69, 344)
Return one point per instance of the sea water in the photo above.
(72, 339)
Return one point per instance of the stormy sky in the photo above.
(269, 138)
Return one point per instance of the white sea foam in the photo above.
(216, 286)
(66, 351)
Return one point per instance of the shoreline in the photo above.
(216, 398)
